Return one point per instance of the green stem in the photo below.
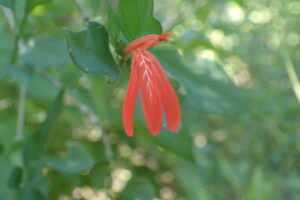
(108, 150)
(17, 39)
(15, 50)
(290, 68)
(21, 113)
(85, 15)
(10, 20)
(16, 34)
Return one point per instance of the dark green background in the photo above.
(234, 65)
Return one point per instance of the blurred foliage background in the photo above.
(234, 64)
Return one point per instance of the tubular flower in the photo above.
(157, 94)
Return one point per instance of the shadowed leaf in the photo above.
(90, 52)
(75, 161)
(46, 51)
(35, 144)
(7, 3)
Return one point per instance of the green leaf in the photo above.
(89, 50)
(208, 87)
(36, 189)
(94, 6)
(1, 148)
(178, 143)
(7, 127)
(189, 178)
(46, 51)
(6, 45)
(112, 25)
(6, 166)
(15, 178)
(7, 3)
(40, 89)
(98, 174)
(240, 2)
(35, 144)
(135, 18)
(138, 188)
(32, 3)
(75, 161)
(230, 172)
(22, 74)
(261, 186)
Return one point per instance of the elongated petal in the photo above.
(151, 101)
(130, 99)
(169, 98)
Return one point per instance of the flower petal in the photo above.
(151, 100)
(169, 98)
(130, 99)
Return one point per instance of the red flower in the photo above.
(157, 93)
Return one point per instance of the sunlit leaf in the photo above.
(32, 3)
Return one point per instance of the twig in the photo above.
(16, 34)
(10, 19)
(17, 38)
(168, 25)
(21, 113)
(85, 15)
(108, 150)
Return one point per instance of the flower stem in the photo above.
(16, 33)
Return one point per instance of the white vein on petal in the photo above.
(146, 74)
